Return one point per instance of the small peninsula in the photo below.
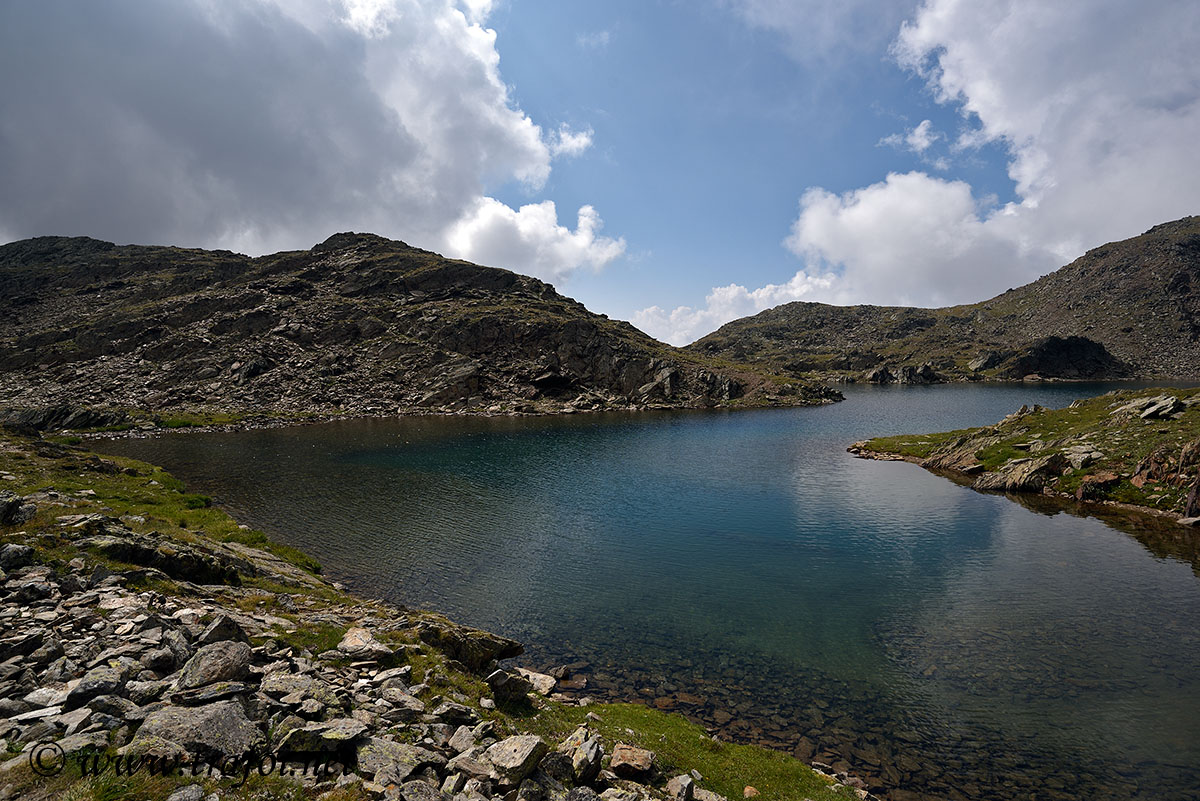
(1137, 449)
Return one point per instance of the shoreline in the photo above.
(248, 421)
(965, 479)
(1134, 452)
(217, 593)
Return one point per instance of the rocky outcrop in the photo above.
(359, 324)
(905, 374)
(471, 647)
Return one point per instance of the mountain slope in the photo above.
(359, 324)
(1125, 309)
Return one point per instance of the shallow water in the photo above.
(744, 569)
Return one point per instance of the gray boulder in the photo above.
(323, 735)
(391, 762)
(96, 682)
(359, 643)
(515, 758)
(220, 661)
(216, 731)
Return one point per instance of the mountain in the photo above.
(1128, 309)
(358, 324)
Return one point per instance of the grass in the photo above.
(918, 446)
(680, 746)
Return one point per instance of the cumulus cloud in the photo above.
(492, 233)
(1097, 103)
(1099, 126)
(683, 324)
(912, 239)
(265, 124)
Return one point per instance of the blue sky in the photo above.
(706, 131)
(676, 164)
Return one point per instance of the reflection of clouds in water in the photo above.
(1047, 637)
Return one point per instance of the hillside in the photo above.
(1128, 309)
(358, 324)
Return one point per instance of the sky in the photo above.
(676, 164)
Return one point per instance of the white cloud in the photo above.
(912, 239)
(494, 234)
(565, 142)
(1097, 103)
(684, 324)
(917, 140)
(265, 124)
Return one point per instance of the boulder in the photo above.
(393, 763)
(586, 758)
(508, 686)
(281, 683)
(1023, 475)
(223, 628)
(13, 556)
(880, 375)
(474, 648)
(15, 510)
(681, 788)
(323, 736)
(514, 758)
(406, 707)
(542, 683)
(420, 791)
(359, 643)
(631, 762)
(220, 661)
(216, 731)
(455, 714)
(1191, 507)
(97, 681)
(1094, 486)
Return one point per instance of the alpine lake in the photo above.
(742, 569)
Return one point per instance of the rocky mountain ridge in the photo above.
(1128, 309)
(357, 325)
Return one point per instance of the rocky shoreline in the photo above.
(166, 641)
(1129, 451)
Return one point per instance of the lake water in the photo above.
(742, 568)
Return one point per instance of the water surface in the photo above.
(742, 568)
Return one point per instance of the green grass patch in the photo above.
(314, 637)
(680, 745)
(999, 455)
(918, 446)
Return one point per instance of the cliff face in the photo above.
(359, 323)
(1123, 310)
